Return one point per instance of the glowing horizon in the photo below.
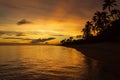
(56, 17)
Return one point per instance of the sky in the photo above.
(48, 17)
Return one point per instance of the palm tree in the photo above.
(116, 14)
(71, 39)
(100, 21)
(109, 4)
(87, 30)
(62, 42)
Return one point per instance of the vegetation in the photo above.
(104, 25)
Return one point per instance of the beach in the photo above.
(107, 53)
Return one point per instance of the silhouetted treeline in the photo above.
(104, 25)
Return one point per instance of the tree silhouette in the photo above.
(87, 30)
(62, 42)
(109, 4)
(116, 14)
(104, 25)
(100, 21)
(71, 39)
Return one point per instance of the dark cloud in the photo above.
(20, 34)
(12, 33)
(17, 38)
(2, 32)
(42, 40)
(23, 21)
(58, 35)
(9, 33)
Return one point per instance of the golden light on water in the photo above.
(55, 62)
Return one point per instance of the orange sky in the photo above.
(58, 17)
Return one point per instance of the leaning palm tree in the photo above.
(109, 4)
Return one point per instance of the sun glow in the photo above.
(50, 18)
(43, 29)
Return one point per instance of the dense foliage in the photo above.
(104, 25)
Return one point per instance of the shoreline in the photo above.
(107, 53)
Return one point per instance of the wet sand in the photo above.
(108, 54)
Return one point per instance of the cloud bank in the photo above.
(42, 40)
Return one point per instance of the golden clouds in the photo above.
(52, 26)
(56, 16)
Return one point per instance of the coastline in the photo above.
(107, 53)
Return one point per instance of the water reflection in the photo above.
(45, 63)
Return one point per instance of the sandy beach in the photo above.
(108, 54)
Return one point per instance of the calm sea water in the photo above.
(45, 63)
